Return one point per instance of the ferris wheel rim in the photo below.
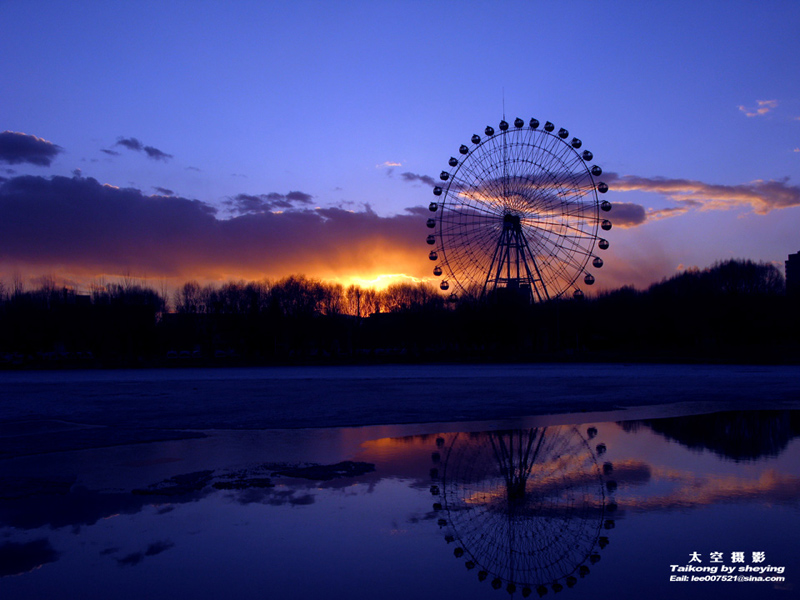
(588, 505)
(562, 242)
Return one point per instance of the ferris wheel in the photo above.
(519, 210)
(527, 509)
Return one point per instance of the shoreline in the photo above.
(14, 363)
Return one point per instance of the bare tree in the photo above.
(410, 296)
(187, 298)
(163, 291)
(17, 283)
(372, 302)
(354, 297)
(128, 281)
(332, 298)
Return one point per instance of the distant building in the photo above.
(793, 275)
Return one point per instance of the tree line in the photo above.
(736, 310)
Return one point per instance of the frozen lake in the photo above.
(396, 482)
(295, 397)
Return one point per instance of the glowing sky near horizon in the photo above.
(218, 140)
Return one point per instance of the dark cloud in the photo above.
(130, 144)
(156, 154)
(412, 177)
(17, 148)
(131, 560)
(164, 191)
(274, 497)
(16, 559)
(109, 152)
(419, 211)
(626, 214)
(89, 228)
(299, 197)
(262, 203)
(137, 146)
(157, 548)
(135, 558)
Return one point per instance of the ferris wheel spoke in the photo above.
(532, 535)
(464, 218)
(571, 251)
(479, 237)
(563, 255)
(520, 210)
(477, 174)
(579, 233)
(548, 229)
(469, 206)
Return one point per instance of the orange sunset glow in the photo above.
(399, 300)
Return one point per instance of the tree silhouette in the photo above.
(731, 311)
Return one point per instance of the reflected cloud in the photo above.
(272, 495)
(528, 510)
(692, 491)
(74, 508)
(525, 508)
(136, 558)
(32, 503)
(16, 559)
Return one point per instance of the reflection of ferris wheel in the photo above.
(526, 508)
(519, 210)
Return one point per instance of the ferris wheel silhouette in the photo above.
(519, 210)
(528, 509)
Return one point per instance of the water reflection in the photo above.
(737, 435)
(529, 508)
(16, 558)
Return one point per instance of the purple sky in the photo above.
(224, 140)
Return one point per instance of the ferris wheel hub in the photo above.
(511, 221)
